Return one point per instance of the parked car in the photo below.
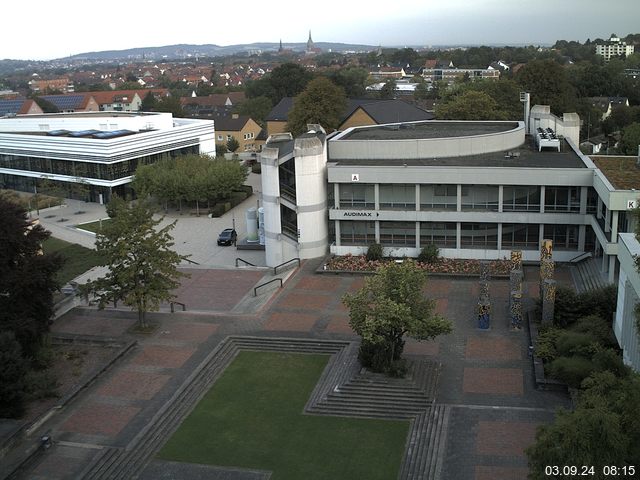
(227, 237)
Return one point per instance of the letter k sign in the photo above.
(631, 204)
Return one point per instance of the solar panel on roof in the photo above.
(10, 106)
(112, 134)
(83, 133)
(65, 102)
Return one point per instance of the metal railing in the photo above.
(275, 269)
(255, 290)
(579, 258)
(191, 261)
(238, 259)
(171, 304)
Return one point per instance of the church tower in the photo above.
(310, 46)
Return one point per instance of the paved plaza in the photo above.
(486, 380)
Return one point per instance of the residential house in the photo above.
(18, 106)
(387, 72)
(607, 104)
(216, 104)
(62, 84)
(241, 127)
(73, 102)
(614, 47)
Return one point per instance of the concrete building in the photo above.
(625, 325)
(614, 47)
(98, 149)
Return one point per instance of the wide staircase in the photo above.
(587, 275)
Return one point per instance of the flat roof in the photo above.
(526, 156)
(622, 172)
(429, 129)
(102, 113)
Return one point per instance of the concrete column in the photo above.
(459, 198)
(377, 231)
(500, 236)
(336, 195)
(500, 200)
(458, 234)
(599, 209)
(612, 268)
(605, 257)
(540, 235)
(582, 236)
(543, 190)
(614, 226)
(417, 197)
(584, 192)
(418, 235)
(376, 196)
(607, 221)
(337, 227)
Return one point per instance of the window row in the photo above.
(472, 235)
(472, 197)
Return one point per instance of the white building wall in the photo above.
(271, 203)
(311, 197)
(628, 296)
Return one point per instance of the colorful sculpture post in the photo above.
(515, 297)
(484, 302)
(547, 283)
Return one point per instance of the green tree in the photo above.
(233, 144)
(171, 105)
(256, 108)
(353, 80)
(288, 80)
(13, 368)
(603, 430)
(149, 103)
(422, 91)
(321, 102)
(548, 84)
(630, 140)
(471, 105)
(390, 305)
(143, 268)
(388, 90)
(27, 278)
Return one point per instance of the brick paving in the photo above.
(495, 381)
(100, 419)
(486, 377)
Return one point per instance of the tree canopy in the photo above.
(548, 83)
(630, 140)
(143, 268)
(27, 278)
(470, 105)
(322, 102)
(390, 305)
(287, 80)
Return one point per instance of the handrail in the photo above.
(255, 290)
(275, 269)
(244, 261)
(577, 258)
(171, 304)
(191, 261)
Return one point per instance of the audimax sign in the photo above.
(360, 214)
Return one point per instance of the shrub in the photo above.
(570, 306)
(576, 343)
(545, 347)
(609, 359)
(227, 206)
(248, 189)
(429, 254)
(217, 210)
(374, 252)
(596, 326)
(237, 197)
(571, 370)
(256, 168)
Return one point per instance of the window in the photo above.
(443, 235)
(479, 235)
(399, 234)
(562, 199)
(521, 199)
(517, 235)
(357, 196)
(480, 197)
(564, 237)
(357, 233)
(438, 197)
(398, 196)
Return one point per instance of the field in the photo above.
(253, 418)
(77, 259)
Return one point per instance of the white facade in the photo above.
(614, 48)
(624, 325)
(34, 147)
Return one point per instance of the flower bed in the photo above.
(358, 263)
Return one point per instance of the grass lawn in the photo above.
(77, 259)
(93, 226)
(253, 418)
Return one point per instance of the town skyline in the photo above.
(417, 23)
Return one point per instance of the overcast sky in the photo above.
(44, 30)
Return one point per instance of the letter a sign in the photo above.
(355, 177)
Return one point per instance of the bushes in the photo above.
(571, 370)
(375, 252)
(576, 343)
(570, 306)
(429, 254)
(13, 369)
(256, 168)
(378, 357)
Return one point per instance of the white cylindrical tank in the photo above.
(252, 225)
(261, 225)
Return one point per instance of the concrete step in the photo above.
(373, 391)
(368, 412)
